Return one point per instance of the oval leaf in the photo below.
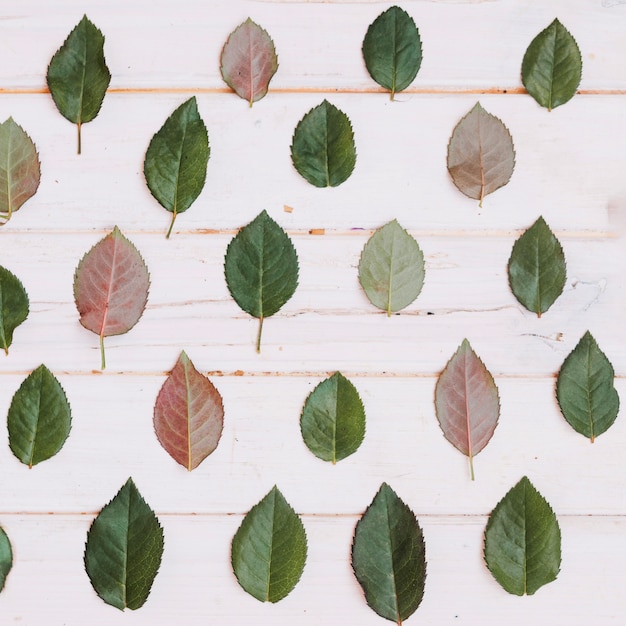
(388, 556)
(467, 402)
(78, 76)
(552, 66)
(333, 419)
(6, 558)
(585, 389)
(269, 549)
(124, 549)
(111, 287)
(261, 268)
(176, 160)
(537, 268)
(481, 156)
(39, 418)
(523, 541)
(392, 50)
(20, 170)
(322, 149)
(248, 61)
(14, 307)
(391, 268)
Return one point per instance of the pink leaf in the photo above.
(467, 402)
(188, 415)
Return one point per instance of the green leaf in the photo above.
(6, 558)
(391, 268)
(333, 419)
(176, 160)
(124, 549)
(322, 149)
(39, 418)
(552, 66)
(261, 268)
(13, 306)
(269, 549)
(537, 268)
(388, 556)
(392, 50)
(78, 76)
(523, 541)
(585, 390)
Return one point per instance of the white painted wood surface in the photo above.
(570, 168)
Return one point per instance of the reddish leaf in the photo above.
(188, 415)
(467, 402)
(111, 287)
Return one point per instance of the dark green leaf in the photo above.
(261, 268)
(585, 391)
(552, 66)
(322, 149)
(176, 160)
(78, 75)
(6, 558)
(269, 549)
(13, 306)
(523, 541)
(392, 50)
(537, 268)
(388, 556)
(124, 549)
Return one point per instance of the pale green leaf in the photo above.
(14, 307)
(6, 558)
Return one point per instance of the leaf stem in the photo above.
(471, 462)
(258, 337)
(78, 126)
(169, 232)
(102, 359)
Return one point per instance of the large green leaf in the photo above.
(391, 268)
(388, 556)
(333, 419)
(124, 549)
(78, 75)
(552, 66)
(392, 50)
(585, 390)
(322, 149)
(39, 418)
(176, 160)
(13, 306)
(537, 268)
(261, 268)
(523, 541)
(6, 558)
(269, 549)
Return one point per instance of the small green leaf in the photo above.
(552, 66)
(391, 268)
(388, 556)
(176, 160)
(333, 419)
(39, 418)
(124, 549)
(322, 149)
(6, 558)
(13, 306)
(269, 549)
(261, 268)
(392, 50)
(537, 268)
(585, 389)
(78, 76)
(523, 541)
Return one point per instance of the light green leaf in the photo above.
(176, 160)
(392, 50)
(78, 76)
(39, 418)
(537, 268)
(523, 541)
(13, 306)
(552, 66)
(585, 390)
(322, 149)
(6, 558)
(333, 419)
(124, 549)
(391, 268)
(388, 556)
(261, 268)
(269, 549)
